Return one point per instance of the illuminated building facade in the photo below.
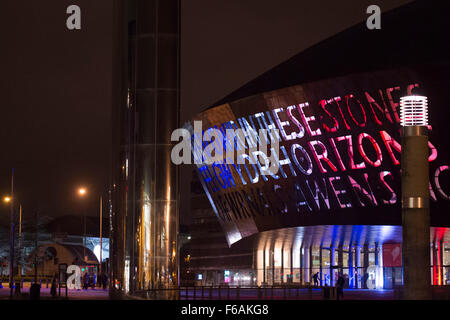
(334, 203)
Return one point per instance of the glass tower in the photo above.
(145, 182)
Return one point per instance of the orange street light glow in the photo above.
(82, 191)
(7, 199)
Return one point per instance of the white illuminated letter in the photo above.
(75, 274)
(74, 20)
(374, 20)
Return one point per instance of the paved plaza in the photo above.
(96, 294)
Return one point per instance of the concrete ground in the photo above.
(97, 294)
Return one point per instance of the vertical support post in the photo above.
(320, 266)
(307, 264)
(441, 263)
(272, 255)
(358, 265)
(365, 265)
(291, 264)
(351, 273)
(301, 264)
(264, 265)
(415, 212)
(282, 265)
(376, 253)
(11, 248)
(20, 243)
(101, 239)
(332, 264)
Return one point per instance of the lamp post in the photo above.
(101, 239)
(415, 197)
(10, 200)
(83, 192)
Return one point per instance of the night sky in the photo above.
(56, 84)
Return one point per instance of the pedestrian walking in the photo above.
(105, 281)
(340, 287)
(53, 287)
(86, 281)
(316, 279)
(94, 281)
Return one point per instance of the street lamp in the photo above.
(83, 192)
(9, 199)
(415, 197)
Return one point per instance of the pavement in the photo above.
(288, 294)
(90, 294)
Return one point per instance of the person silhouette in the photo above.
(316, 279)
(340, 287)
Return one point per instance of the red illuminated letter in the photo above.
(372, 103)
(350, 152)
(375, 145)
(322, 156)
(347, 98)
(393, 104)
(391, 143)
(323, 103)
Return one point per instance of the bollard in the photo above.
(271, 293)
(228, 292)
(187, 293)
(284, 292)
(210, 292)
(47, 283)
(265, 291)
(21, 283)
(220, 293)
(40, 283)
(237, 293)
(298, 289)
(194, 293)
(203, 296)
(259, 293)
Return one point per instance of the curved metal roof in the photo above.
(409, 35)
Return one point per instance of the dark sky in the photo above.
(56, 84)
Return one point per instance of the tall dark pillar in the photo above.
(157, 115)
(333, 266)
(291, 264)
(340, 262)
(359, 270)
(264, 265)
(441, 263)
(376, 253)
(282, 265)
(415, 212)
(301, 264)
(272, 256)
(320, 266)
(351, 273)
(146, 187)
(365, 266)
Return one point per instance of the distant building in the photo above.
(61, 240)
(51, 255)
(332, 204)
